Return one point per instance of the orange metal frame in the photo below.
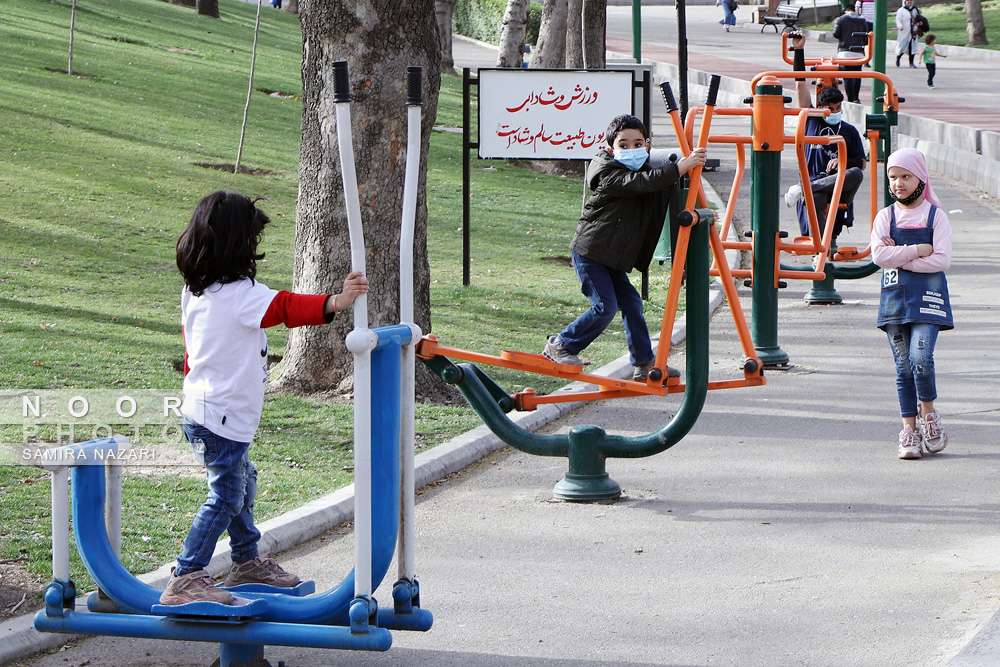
(528, 399)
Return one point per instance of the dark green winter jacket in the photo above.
(622, 220)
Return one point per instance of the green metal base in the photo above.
(823, 293)
(772, 356)
(587, 488)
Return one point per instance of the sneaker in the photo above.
(930, 85)
(727, 28)
(641, 372)
(935, 439)
(793, 195)
(194, 586)
(909, 444)
(261, 571)
(555, 351)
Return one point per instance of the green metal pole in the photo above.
(765, 189)
(637, 31)
(878, 54)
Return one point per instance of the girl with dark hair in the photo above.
(224, 312)
(911, 241)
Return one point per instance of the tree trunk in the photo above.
(550, 52)
(208, 8)
(379, 39)
(975, 27)
(443, 12)
(515, 24)
(292, 7)
(594, 33)
(574, 34)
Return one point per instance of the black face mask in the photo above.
(913, 197)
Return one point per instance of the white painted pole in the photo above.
(407, 415)
(60, 523)
(361, 341)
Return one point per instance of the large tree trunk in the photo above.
(379, 39)
(550, 52)
(444, 10)
(975, 26)
(208, 8)
(594, 33)
(574, 34)
(292, 7)
(515, 24)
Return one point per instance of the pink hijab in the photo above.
(912, 161)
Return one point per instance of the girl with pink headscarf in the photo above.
(911, 241)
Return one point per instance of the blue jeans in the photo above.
(232, 487)
(609, 291)
(913, 349)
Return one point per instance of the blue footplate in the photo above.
(303, 589)
(241, 609)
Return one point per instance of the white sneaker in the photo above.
(935, 439)
(909, 444)
(793, 195)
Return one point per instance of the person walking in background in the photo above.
(224, 312)
(851, 32)
(866, 10)
(906, 31)
(729, 8)
(930, 56)
(911, 241)
(618, 231)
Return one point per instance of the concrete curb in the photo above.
(19, 639)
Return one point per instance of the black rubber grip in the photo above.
(341, 82)
(414, 94)
(668, 96)
(713, 89)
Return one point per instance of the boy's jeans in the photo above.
(609, 290)
(232, 487)
(913, 349)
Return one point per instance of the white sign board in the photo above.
(549, 114)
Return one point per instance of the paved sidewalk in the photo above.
(782, 531)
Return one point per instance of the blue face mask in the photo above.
(633, 158)
(834, 118)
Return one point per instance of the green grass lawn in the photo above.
(947, 23)
(99, 174)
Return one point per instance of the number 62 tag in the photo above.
(890, 277)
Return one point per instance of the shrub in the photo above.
(481, 19)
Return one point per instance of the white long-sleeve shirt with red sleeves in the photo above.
(225, 350)
(905, 256)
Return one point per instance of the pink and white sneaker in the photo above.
(935, 439)
(909, 444)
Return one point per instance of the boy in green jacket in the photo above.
(618, 232)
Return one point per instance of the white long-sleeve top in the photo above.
(905, 256)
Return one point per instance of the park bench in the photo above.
(784, 13)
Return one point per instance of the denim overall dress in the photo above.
(908, 296)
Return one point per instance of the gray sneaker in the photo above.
(640, 373)
(555, 351)
(261, 571)
(194, 586)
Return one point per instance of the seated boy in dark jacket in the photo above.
(618, 231)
